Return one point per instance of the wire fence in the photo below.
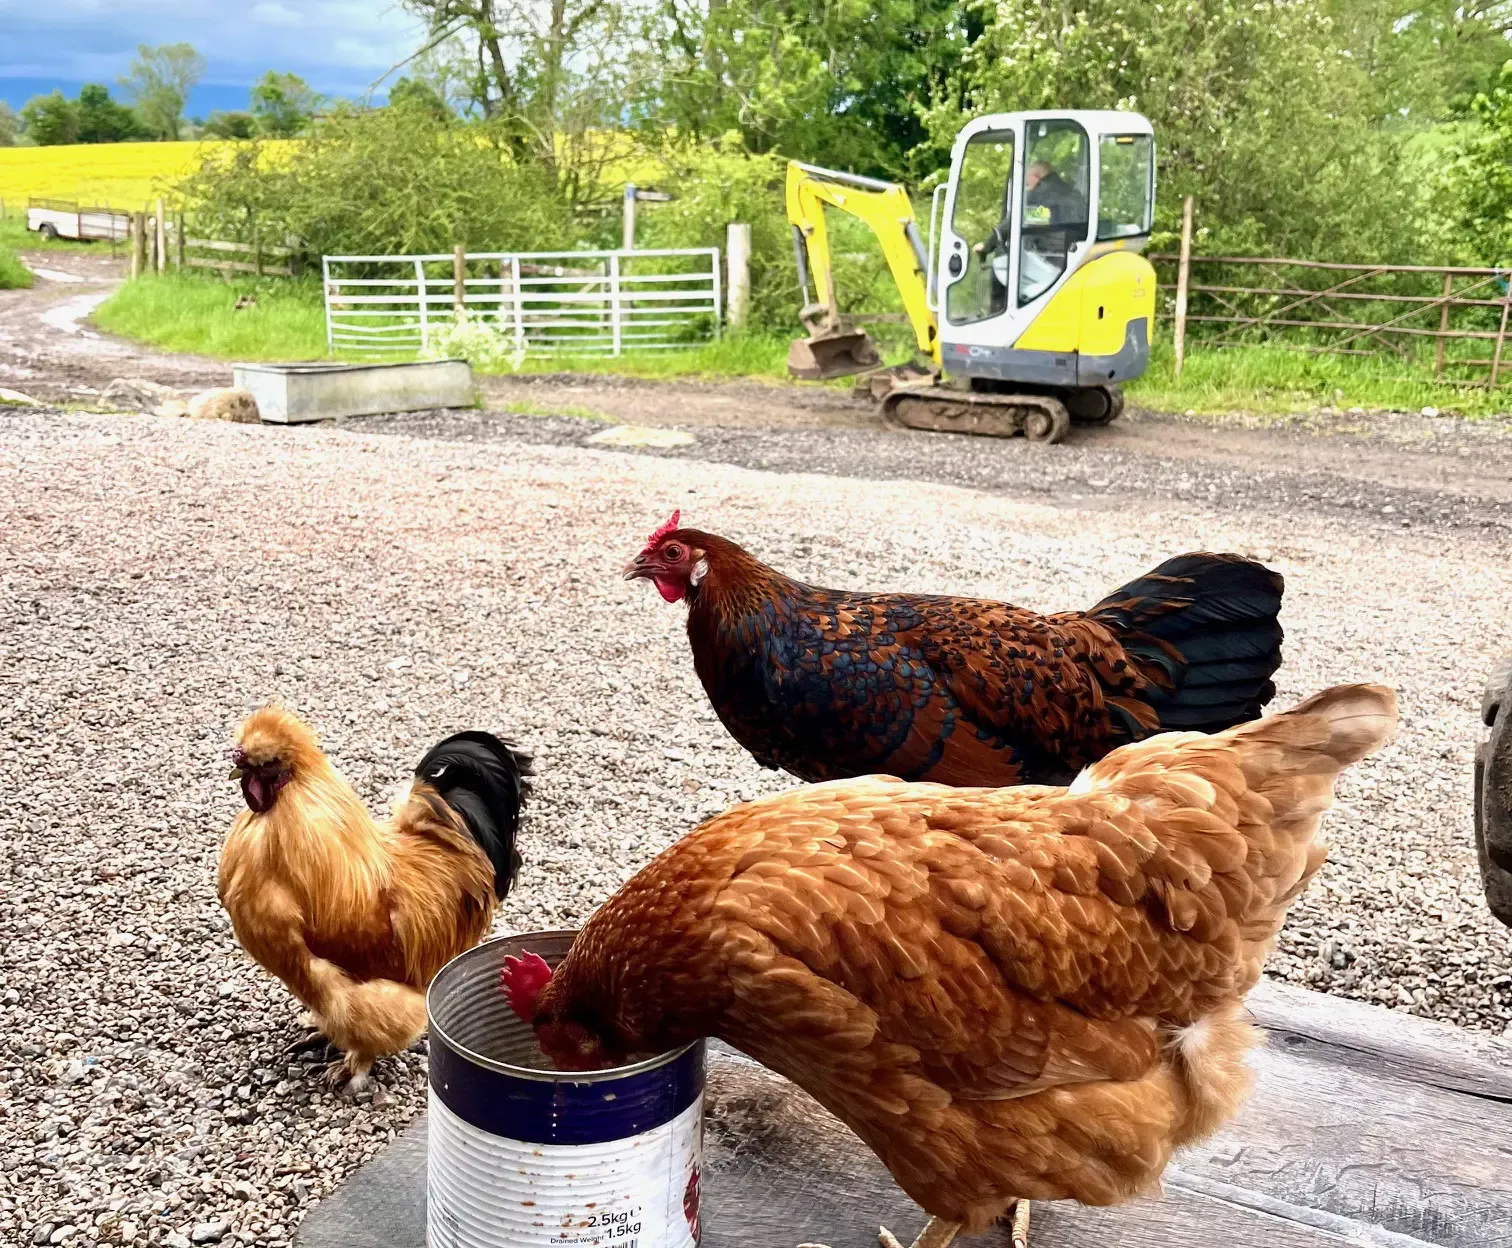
(543, 303)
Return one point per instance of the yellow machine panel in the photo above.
(1091, 312)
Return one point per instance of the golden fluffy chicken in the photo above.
(1009, 994)
(356, 917)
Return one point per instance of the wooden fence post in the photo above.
(162, 237)
(459, 282)
(1183, 278)
(1438, 354)
(257, 251)
(1501, 333)
(138, 244)
(180, 241)
(738, 257)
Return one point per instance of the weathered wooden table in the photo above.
(1366, 1127)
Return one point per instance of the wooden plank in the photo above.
(212, 244)
(238, 266)
(1324, 1131)
(1366, 1127)
(1387, 1042)
(779, 1171)
(1329, 264)
(1183, 282)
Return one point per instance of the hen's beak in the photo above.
(638, 568)
(236, 774)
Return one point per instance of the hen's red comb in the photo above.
(669, 527)
(521, 980)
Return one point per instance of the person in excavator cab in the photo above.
(1049, 201)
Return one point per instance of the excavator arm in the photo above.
(833, 348)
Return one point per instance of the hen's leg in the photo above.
(1021, 1224)
(937, 1234)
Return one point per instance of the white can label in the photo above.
(486, 1191)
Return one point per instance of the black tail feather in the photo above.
(1218, 613)
(483, 779)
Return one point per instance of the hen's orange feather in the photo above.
(1007, 993)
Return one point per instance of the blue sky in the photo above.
(339, 46)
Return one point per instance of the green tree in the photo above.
(50, 120)
(283, 105)
(840, 82)
(9, 124)
(231, 125)
(1261, 111)
(1473, 192)
(412, 93)
(158, 84)
(102, 119)
(554, 78)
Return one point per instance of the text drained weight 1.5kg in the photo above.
(523, 1156)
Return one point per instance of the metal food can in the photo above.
(524, 1156)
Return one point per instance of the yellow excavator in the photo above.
(1030, 303)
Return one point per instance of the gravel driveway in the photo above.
(159, 578)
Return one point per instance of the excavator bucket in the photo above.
(832, 353)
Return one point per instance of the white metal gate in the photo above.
(544, 303)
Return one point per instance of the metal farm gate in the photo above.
(542, 303)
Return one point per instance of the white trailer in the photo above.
(57, 218)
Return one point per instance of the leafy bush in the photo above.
(714, 185)
(1474, 190)
(477, 342)
(388, 181)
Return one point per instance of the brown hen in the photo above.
(1014, 994)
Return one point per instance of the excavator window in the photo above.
(1126, 198)
(1056, 184)
(981, 217)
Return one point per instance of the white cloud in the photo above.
(271, 13)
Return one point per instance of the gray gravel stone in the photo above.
(159, 579)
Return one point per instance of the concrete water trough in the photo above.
(289, 394)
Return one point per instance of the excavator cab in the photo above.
(1031, 300)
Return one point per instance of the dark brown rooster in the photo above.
(828, 684)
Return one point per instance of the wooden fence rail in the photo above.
(1338, 308)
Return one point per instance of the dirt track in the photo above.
(49, 351)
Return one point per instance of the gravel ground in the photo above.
(158, 579)
(1460, 480)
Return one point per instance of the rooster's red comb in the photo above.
(521, 980)
(669, 526)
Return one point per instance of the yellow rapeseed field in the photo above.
(120, 175)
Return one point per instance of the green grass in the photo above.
(13, 274)
(184, 312)
(733, 356)
(524, 407)
(1269, 381)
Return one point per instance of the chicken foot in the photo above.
(936, 1234)
(939, 1233)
